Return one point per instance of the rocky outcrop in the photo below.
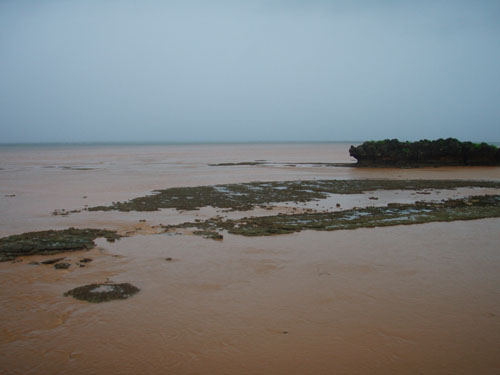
(441, 152)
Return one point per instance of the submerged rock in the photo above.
(62, 266)
(103, 292)
(52, 261)
(209, 234)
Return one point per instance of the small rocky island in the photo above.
(441, 152)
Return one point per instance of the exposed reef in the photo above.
(246, 196)
(57, 262)
(51, 242)
(63, 212)
(251, 163)
(104, 292)
(475, 207)
(288, 164)
(441, 152)
(62, 266)
(52, 261)
(209, 234)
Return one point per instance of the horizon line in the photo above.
(167, 142)
(118, 143)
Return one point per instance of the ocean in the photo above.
(401, 299)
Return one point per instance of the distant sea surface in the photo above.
(90, 144)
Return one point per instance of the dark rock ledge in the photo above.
(441, 152)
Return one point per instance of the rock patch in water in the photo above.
(62, 266)
(103, 292)
(52, 242)
(51, 261)
(209, 234)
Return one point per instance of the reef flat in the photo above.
(246, 196)
(470, 208)
(51, 242)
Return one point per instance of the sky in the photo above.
(248, 70)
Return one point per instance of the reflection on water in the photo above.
(407, 299)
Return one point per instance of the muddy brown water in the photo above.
(405, 299)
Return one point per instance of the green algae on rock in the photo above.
(475, 207)
(103, 292)
(246, 196)
(52, 241)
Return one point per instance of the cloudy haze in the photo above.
(80, 71)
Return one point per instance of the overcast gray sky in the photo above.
(255, 70)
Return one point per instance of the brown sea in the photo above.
(412, 299)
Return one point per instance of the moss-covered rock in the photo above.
(209, 234)
(103, 292)
(52, 241)
(246, 196)
(475, 207)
